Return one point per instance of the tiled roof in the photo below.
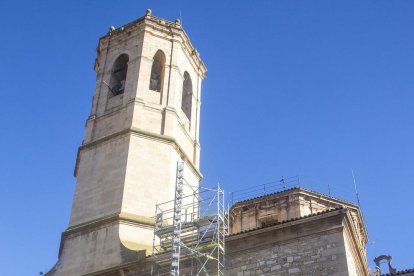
(275, 193)
(292, 189)
(331, 197)
(401, 272)
(289, 220)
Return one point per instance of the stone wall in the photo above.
(317, 255)
(312, 245)
(309, 246)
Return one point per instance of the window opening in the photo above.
(157, 72)
(187, 96)
(118, 75)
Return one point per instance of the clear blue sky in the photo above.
(308, 88)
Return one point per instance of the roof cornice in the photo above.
(287, 223)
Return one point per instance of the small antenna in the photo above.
(181, 19)
(355, 187)
(357, 196)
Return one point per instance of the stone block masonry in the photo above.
(310, 246)
(317, 255)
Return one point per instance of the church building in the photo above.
(141, 139)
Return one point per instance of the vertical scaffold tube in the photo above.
(176, 238)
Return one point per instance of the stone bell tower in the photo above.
(145, 117)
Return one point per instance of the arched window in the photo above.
(118, 75)
(187, 96)
(157, 71)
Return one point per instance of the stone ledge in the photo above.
(288, 223)
(122, 217)
(144, 133)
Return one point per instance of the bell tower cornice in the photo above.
(162, 28)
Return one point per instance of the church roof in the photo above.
(297, 189)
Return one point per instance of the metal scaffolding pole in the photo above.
(176, 238)
(191, 229)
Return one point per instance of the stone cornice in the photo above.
(288, 223)
(347, 204)
(144, 133)
(164, 26)
(356, 247)
(124, 217)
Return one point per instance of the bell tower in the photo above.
(145, 118)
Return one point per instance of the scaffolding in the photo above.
(190, 231)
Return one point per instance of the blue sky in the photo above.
(309, 88)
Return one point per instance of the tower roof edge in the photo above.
(175, 28)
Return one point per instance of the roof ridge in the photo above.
(274, 193)
(342, 200)
(294, 188)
